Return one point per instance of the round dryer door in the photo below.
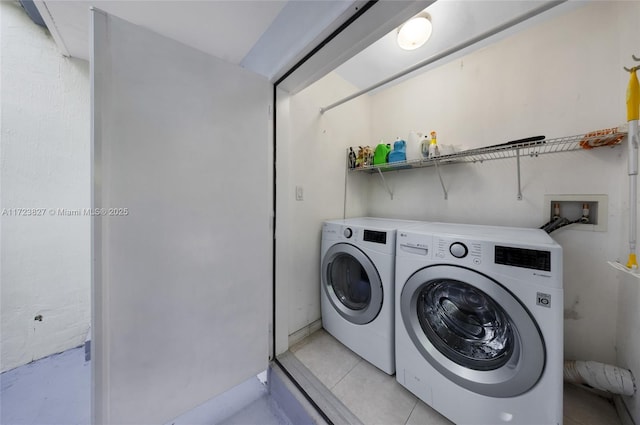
(352, 283)
(472, 330)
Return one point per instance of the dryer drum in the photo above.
(465, 324)
(350, 282)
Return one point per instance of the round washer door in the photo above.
(472, 330)
(352, 283)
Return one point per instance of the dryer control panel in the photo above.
(375, 236)
(375, 239)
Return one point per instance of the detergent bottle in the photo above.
(414, 148)
(433, 146)
(399, 152)
(381, 154)
(424, 146)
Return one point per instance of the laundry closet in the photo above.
(559, 76)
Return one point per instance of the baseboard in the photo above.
(301, 334)
(623, 412)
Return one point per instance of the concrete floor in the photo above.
(54, 390)
(57, 391)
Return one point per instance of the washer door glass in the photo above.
(465, 324)
(472, 330)
(352, 283)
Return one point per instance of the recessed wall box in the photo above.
(572, 207)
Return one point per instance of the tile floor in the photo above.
(376, 398)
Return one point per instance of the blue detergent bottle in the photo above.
(399, 152)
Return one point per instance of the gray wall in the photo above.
(182, 281)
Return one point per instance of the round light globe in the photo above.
(414, 33)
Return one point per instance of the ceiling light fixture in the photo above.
(415, 32)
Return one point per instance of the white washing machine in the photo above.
(357, 286)
(479, 322)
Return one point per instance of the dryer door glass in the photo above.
(465, 324)
(351, 283)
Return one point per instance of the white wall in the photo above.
(311, 153)
(45, 260)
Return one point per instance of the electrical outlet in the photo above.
(572, 208)
(299, 193)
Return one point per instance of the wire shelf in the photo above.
(608, 137)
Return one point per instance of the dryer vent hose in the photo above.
(603, 377)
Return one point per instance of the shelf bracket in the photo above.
(386, 186)
(519, 185)
(444, 189)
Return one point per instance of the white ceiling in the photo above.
(270, 36)
(455, 23)
(262, 35)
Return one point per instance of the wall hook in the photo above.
(635, 68)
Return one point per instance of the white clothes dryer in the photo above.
(357, 286)
(479, 322)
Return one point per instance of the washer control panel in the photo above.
(467, 252)
(526, 258)
(458, 250)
